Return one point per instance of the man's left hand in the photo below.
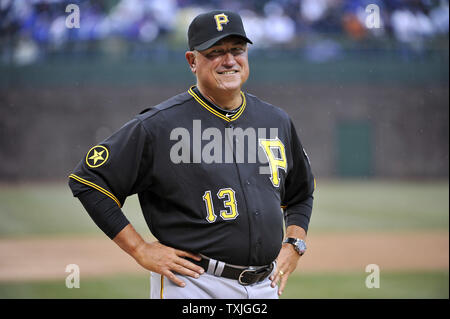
(286, 263)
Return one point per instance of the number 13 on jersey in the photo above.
(229, 202)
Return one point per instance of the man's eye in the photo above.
(237, 51)
(216, 52)
(219, 53)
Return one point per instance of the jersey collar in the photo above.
(207, 105)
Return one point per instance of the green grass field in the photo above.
(48, 209)
(418, 285)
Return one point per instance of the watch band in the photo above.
(299, 244)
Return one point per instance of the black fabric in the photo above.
(103, 211)
(227, 208)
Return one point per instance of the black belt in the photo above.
(245, 276)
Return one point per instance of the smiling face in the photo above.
(223, 67)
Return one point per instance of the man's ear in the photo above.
(191, 59)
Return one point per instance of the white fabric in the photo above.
(210, 287)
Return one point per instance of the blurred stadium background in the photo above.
(371, 105)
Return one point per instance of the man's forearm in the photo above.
(129, 240)
(296, 232)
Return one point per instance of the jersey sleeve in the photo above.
(104, 211)
(118, 167)
(299, 186)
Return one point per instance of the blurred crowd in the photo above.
(31, 29)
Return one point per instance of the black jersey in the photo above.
(208, 181)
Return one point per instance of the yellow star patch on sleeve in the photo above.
(97, 156)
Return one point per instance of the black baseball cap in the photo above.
(208, 28)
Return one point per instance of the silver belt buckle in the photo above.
(250, 269)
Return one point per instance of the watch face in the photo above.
(301, 247)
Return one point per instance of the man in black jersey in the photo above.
(218, 172)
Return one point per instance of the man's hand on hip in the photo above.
(165, 260)
(157, 257)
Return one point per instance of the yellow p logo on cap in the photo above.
(221, 18)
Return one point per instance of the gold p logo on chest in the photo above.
(221, 18)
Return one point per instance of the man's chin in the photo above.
(230, 86)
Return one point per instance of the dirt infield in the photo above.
(47, 258)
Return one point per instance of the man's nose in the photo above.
(229, 59)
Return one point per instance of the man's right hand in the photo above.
(157, 257)
(165, 260)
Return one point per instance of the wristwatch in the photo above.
(299, 244)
